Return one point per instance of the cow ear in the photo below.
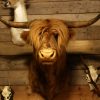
(25, 35)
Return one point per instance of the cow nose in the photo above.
(47, 54)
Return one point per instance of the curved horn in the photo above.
(78, 24)
(15, 24)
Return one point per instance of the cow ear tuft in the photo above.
(24, 36)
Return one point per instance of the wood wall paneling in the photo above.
(14, 65)
(60, 7)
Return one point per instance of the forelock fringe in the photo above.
(39, 26)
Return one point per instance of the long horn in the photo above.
(15, 24)
(78, 24)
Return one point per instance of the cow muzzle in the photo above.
(47, 55)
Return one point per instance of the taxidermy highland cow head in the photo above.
(48, 38)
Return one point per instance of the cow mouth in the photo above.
(47, 62)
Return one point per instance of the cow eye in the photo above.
(56, 37)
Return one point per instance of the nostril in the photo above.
(42, 55)
(52, 54)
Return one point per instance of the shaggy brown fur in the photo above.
(52, 26)
(48, 79)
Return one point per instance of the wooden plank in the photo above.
(5, 35)
(14, 62)
(30, 1)
(10, 49)
(14, 77)
(64, 7)
(89, 33)
(58, 0)
(85, 46)
(60, 7)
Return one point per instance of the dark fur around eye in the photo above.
(56, 37)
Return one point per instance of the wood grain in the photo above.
(14, 77)
(54, 0)
(60, 7)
